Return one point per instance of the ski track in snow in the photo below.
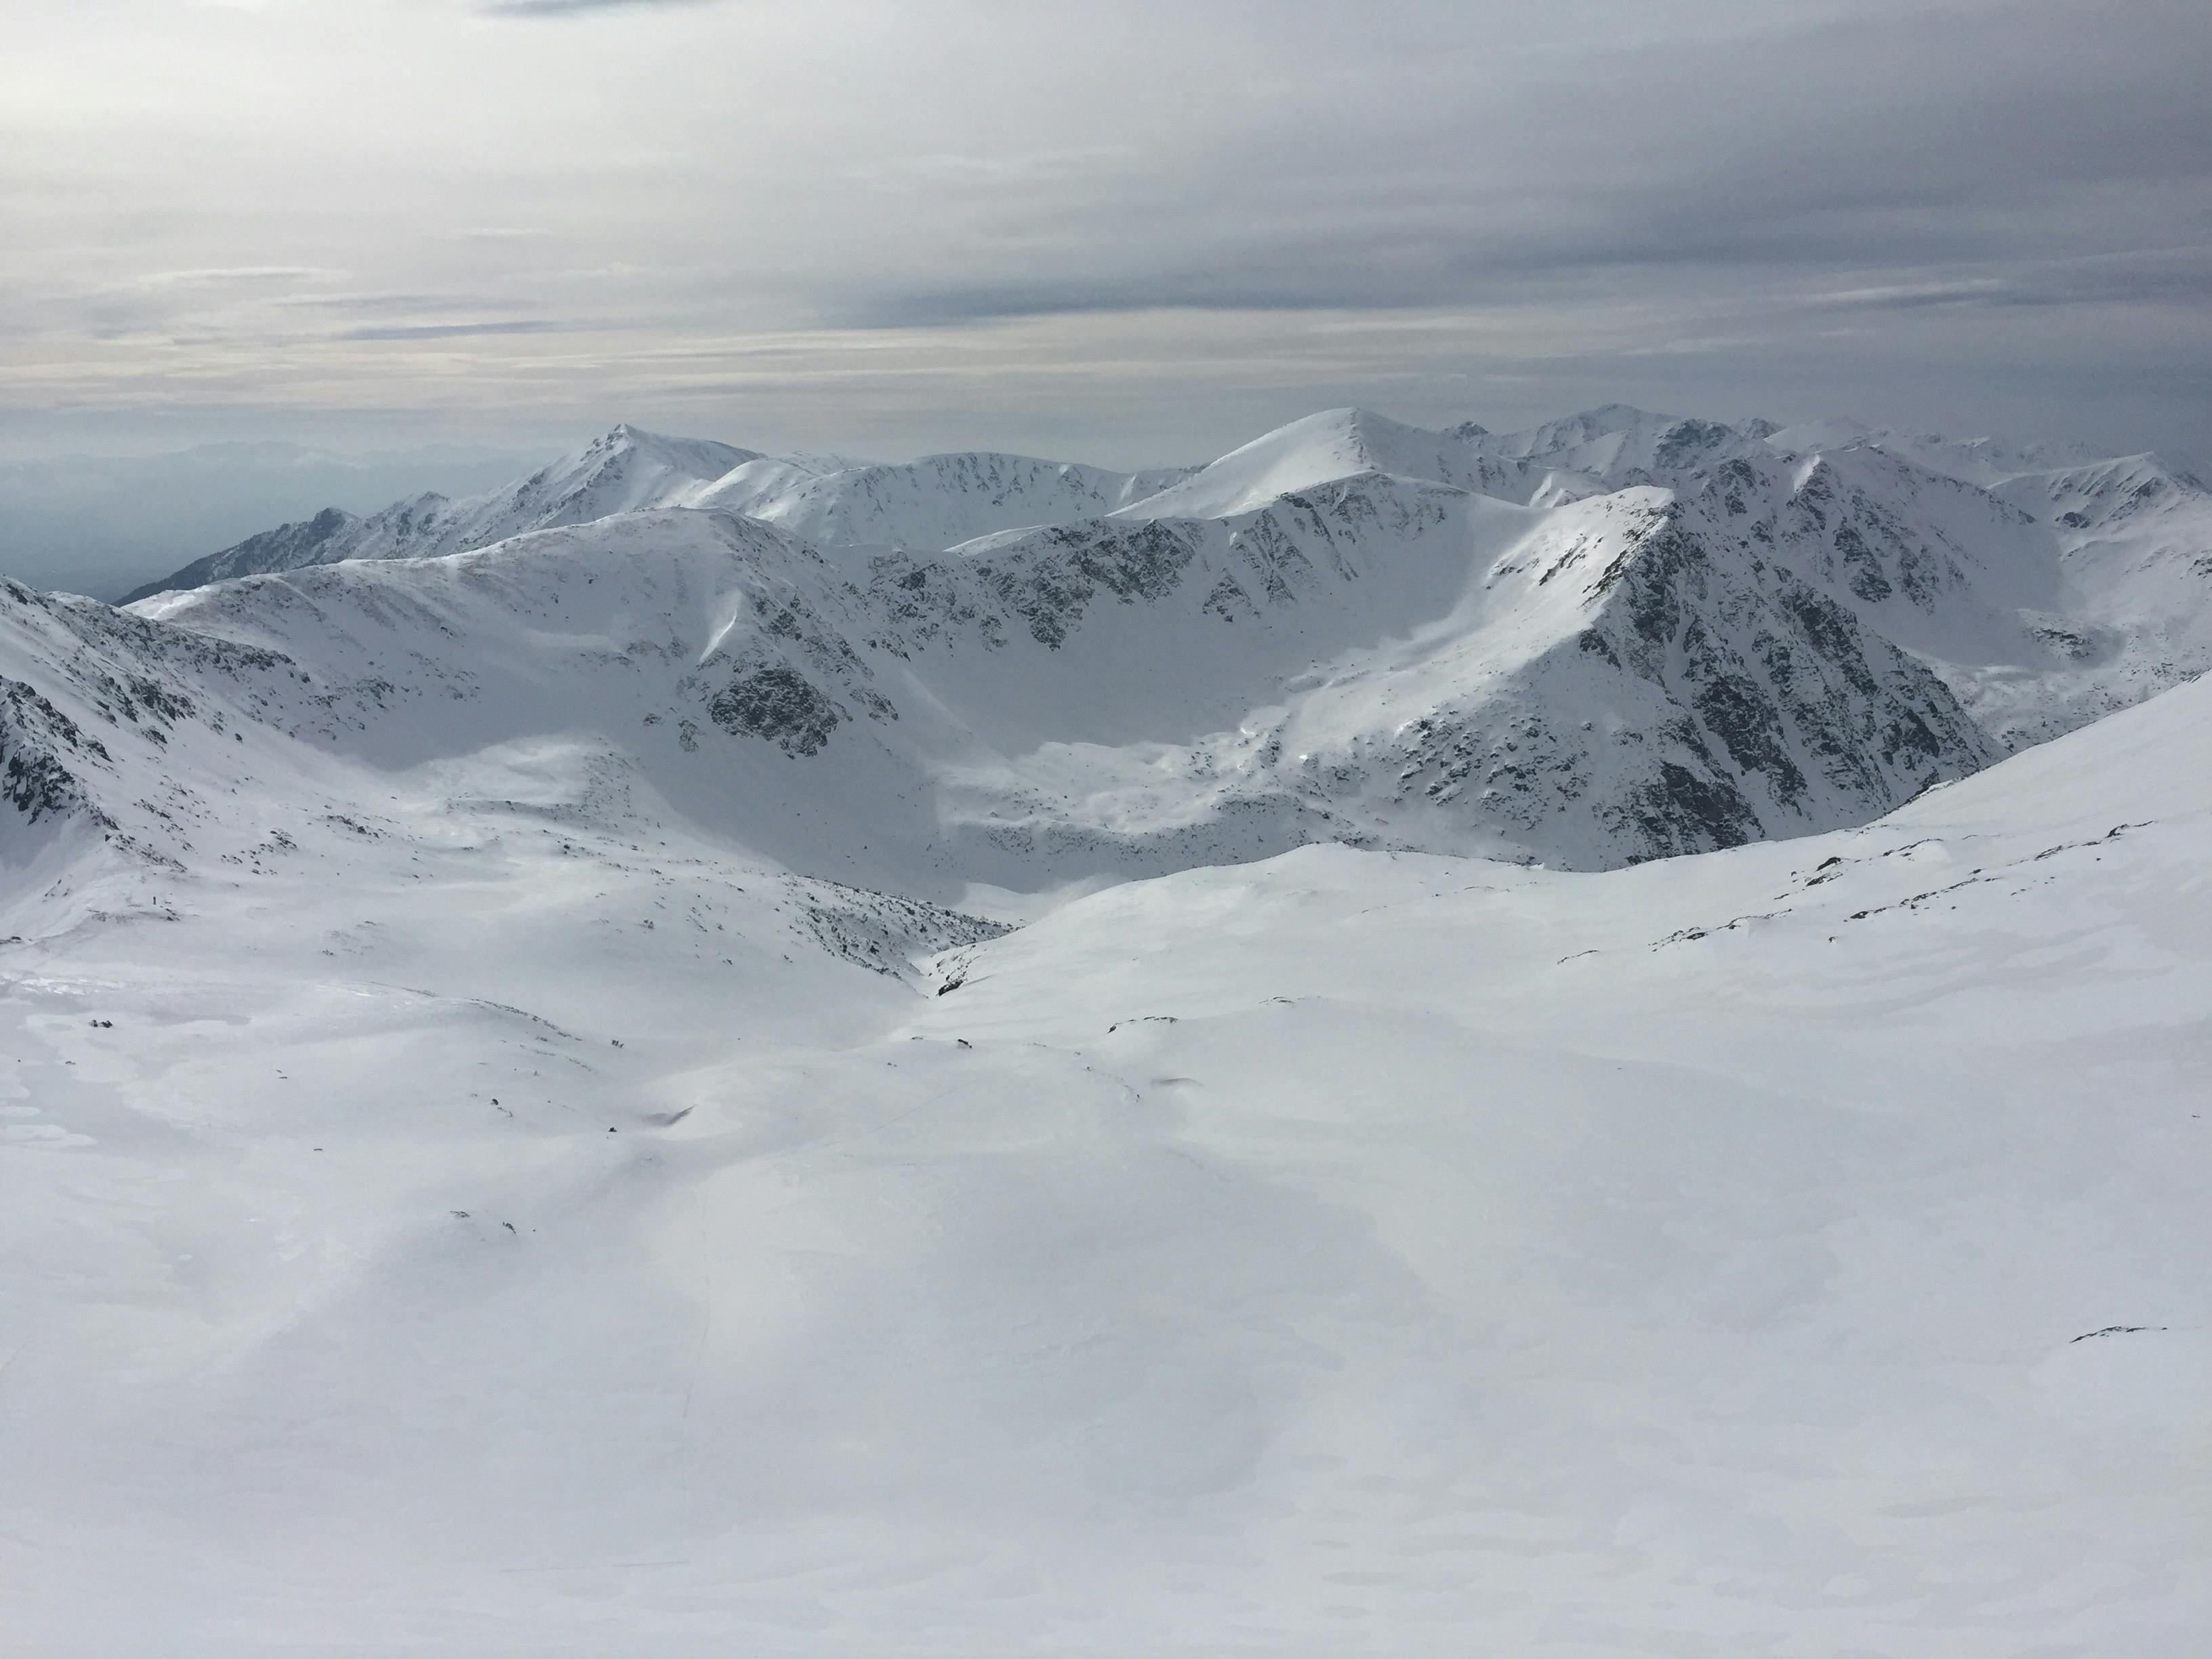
(486, 1171)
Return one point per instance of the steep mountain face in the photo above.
(2048, 589)
(1673, 691)
(116, 726)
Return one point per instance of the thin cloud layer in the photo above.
(575, 8)
(858, 221)
(449, 331)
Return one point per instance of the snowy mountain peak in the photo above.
(1335, 443)
(702, 458)
(622, 470)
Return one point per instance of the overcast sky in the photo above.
(1129, 232)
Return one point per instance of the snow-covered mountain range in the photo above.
(1613, 637)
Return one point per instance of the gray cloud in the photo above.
(450, 331)
(575, 8)
(1975, 135)
(233, 277)
(1139, 231)
(386, 304)
(2180, 277)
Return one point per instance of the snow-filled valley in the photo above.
(1588, 1042)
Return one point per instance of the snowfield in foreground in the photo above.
(500, 1227)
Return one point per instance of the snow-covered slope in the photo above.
(509, 1218)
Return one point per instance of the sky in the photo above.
(1134, 234)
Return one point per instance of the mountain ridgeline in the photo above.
(1614, 637)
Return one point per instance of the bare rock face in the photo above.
(776, 702)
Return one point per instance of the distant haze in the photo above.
(1130, 233)
(100, 525)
